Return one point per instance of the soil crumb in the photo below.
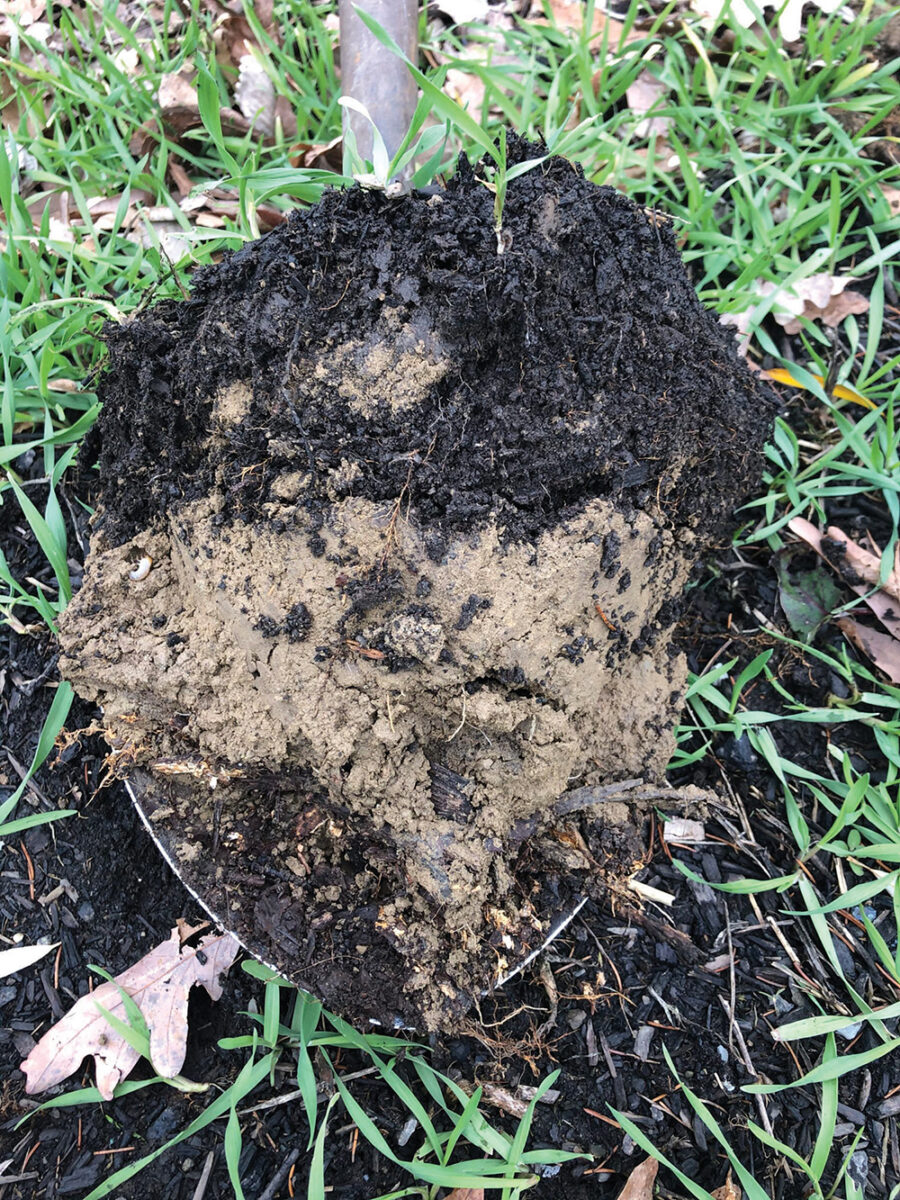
(419, 514)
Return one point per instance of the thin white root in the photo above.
(650, 893)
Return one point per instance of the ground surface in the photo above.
(776, 162)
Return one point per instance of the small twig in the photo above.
(203, 1181)
(289, 1097)
(745, 1058)
(549, 982)
(731, 970)
(280, 1176)
(626, 789)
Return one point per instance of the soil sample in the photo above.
(393, 525)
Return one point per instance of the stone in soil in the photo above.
(420, 514)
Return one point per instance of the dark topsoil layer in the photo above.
(578, 363)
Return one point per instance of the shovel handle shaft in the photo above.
(375, 76)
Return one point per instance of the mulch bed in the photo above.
(625, 985)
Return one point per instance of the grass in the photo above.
(764, 185)
(450, 1119)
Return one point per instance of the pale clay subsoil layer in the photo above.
(370, 736)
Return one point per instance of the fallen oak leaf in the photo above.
(819, 297)
(643, 95)
(881, 648)
(836, 307)
(832, 546)
(639, 1185)
(728, 1190)
(159, 984)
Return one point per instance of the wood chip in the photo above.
(680, 829)
(642, 1042)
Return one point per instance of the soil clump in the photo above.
(418, 514)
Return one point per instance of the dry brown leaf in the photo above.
(568, 15)
(159, 984)
(466, 88)
(837, 308)
(861, 572)
(175, 88)
(821, 297)
(180, 119)
(26, 109)
(881, 648)
(327, 156)
(728, 1190)
(100, 206)
(466, 1194)
(20, 12)
(859, 568)
(892, 195)
(865, 564)
(640, 1182)
(647, 92)
(180, 178)
(234, 36)
(254, 94)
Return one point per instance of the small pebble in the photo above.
(547, 1170)
(407, 1131)
(858, 1169)
(849, 1032)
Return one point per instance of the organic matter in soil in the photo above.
(419, 504)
